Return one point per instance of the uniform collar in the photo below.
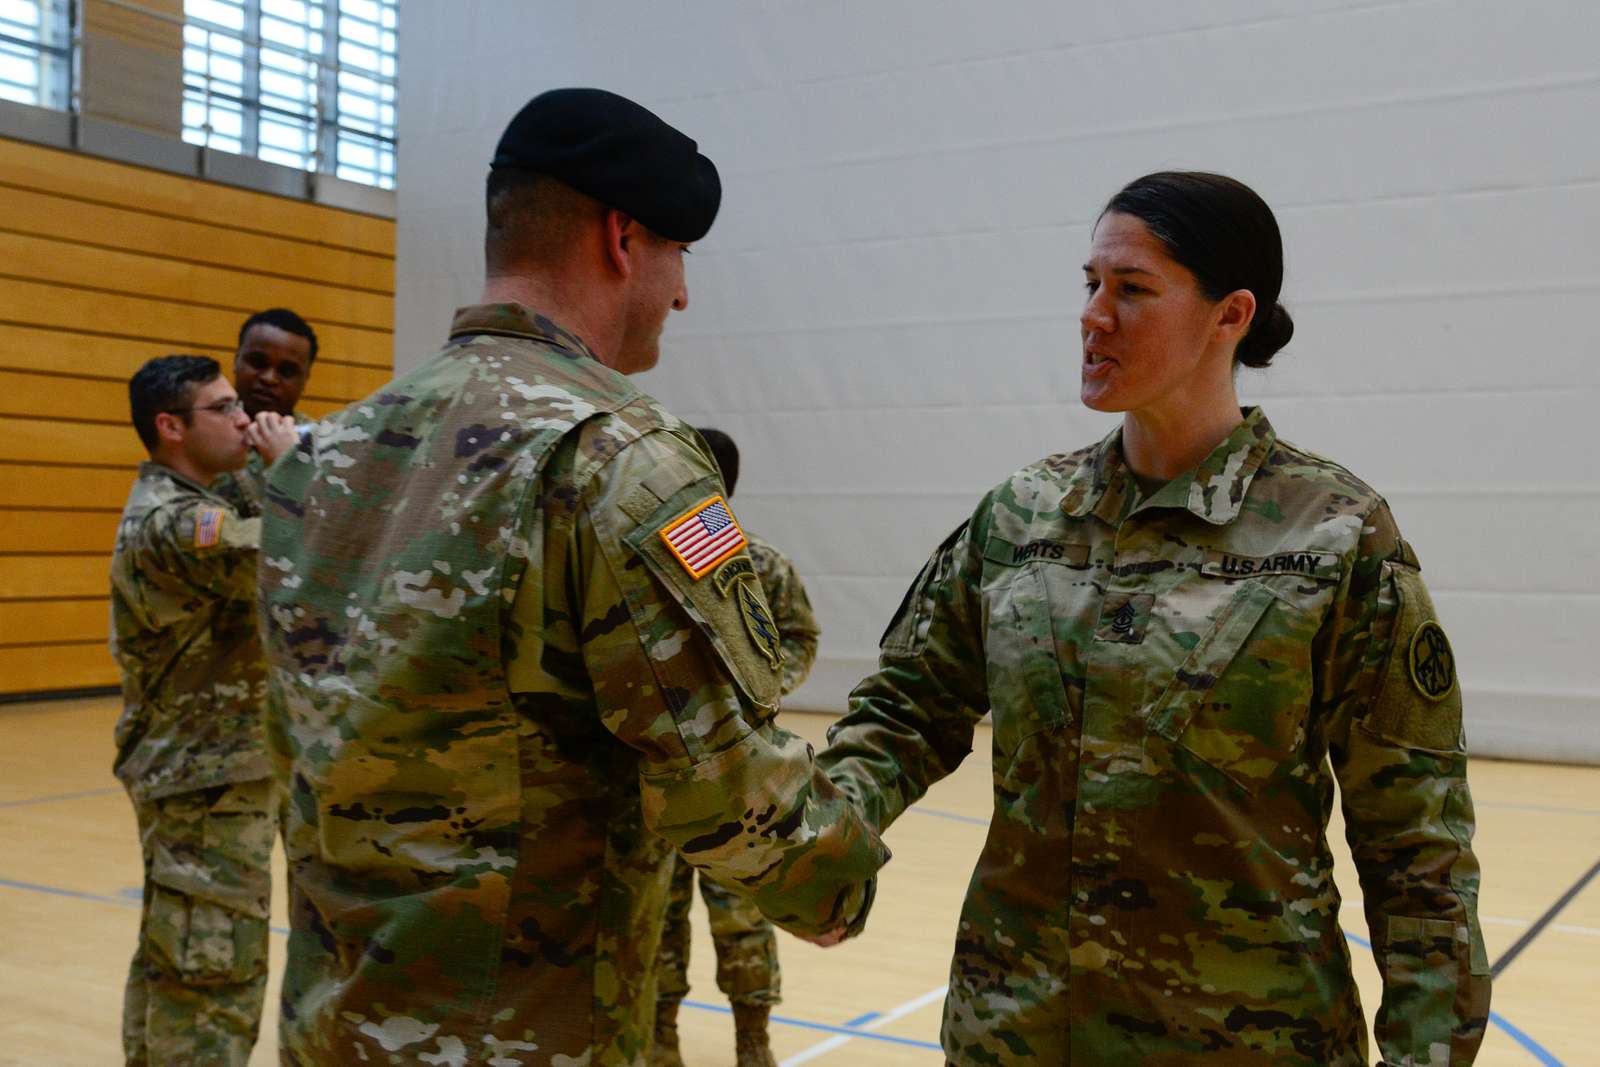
(151, 469)
(514, 320)
(1213, 491)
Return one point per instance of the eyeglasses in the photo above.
(221, 407)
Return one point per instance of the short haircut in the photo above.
(531, 217)
(166, 384)
(285, 320)
(726, 454)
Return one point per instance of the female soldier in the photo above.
(1178, 630)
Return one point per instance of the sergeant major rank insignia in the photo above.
(704, 536)
(738, 578)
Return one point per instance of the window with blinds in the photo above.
(303, 83)
(36, 52)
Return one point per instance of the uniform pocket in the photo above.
(1026, 691)
(1239, 700)
(1423, 964)
(210, 880)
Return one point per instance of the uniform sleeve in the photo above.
(912, 722)
(1398, 751)
(681, 675)
(198, 546)
(797, 623)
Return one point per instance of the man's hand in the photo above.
(829, 939)
(272, 435)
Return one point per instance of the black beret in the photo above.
(618, 152)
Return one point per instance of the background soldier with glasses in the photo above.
(190, 747)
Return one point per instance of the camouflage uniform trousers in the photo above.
(747, 947)
(199, 977)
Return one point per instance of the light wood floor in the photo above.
(69, 878)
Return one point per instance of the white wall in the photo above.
(885, 313)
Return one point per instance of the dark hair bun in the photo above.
(1267, 334)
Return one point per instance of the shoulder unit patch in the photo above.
(704, 536)
(1431, 662)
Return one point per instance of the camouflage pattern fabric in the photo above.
(746, 947)
(791, 610)
(1176, 684)
(192, 754)
(505, 702)
(183, 632)
(198, 981)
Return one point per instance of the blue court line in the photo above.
(951, 815)
(862, 1020)
(60, 796)
(121, 902)
(807, 1024)
(1538, 1051)
(126, 900)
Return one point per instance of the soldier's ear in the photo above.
(170, 428)
(622, 236)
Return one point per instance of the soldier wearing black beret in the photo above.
(518, 654)
(623, 155)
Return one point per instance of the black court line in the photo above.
(1543, 921)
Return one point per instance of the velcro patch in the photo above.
(207, 527)
(1043, 550)
(1308, 563)
(704, 536)
(1418, 701)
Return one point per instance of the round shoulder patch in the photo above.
(1430, 662)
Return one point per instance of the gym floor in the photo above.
(70, 877)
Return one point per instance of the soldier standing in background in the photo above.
(190, 747)
(746, 946)
(518, 653)
(270, 370)
(1186, 633)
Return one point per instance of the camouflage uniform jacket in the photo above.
(183, 630)
(1172, 681)
(791, 610)
(506, 701)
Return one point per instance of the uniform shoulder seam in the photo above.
(1347, 478)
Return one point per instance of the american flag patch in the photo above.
(704, 536)
(207, 527)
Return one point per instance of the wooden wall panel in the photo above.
(86, 222)
(102, 181)
(51, 396)
(54, 441)
(102, 267)
(44, 667)
(55, 622)
(69, 263)
(33, 577)
(114, 358)
(25, 485)
(185, 327)
(58, 531)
